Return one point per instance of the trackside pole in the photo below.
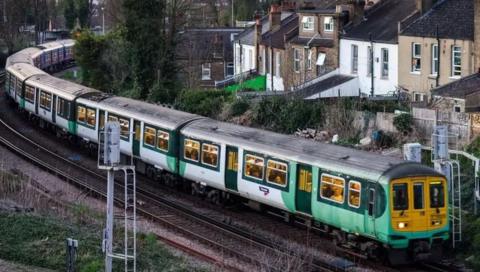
(109, 227)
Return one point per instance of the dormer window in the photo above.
(328, 24)
(308, 22)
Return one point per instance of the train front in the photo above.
(419, 222)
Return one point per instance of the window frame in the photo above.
(385, 71)
(217, 153)
(61, 104)
(266, 167)
(229, 66)
(328, 198)
(85, 122)
(277, 63)
(199, 150)
(245, 166)
(308, 58)
(434, 70)
(407, 200)
(328, 24)
(354, 59)
(415, 183)
(355, 190)
(308, 23)
(456, 69)
(296, 60)
(415, 56)
(206, 71)
(42, 92)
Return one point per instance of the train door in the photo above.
(54, 108)
(231, 168)
(136, 138)
(370, 211)
(303, 197)
(418, 215)
(101, 120)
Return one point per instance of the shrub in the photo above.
(239, 107)
(205, 103)
(403, 122)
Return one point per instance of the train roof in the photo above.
(23, 71)
(51, 45)
(59, 87)
(68, 42)
(147, 112)
(24, 56)
(336, 158)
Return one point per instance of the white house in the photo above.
(372, 44)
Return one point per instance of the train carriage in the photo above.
(16, 75)
(68, 46)
(53, 100)
(28, 55)
(49, 57)
(353, 191)
(149, 132)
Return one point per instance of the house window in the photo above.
(206, 71)
(434, 59)
(384, 63)
(296, 60)
(309, 58)
(457, 108)
(308, 23)
(230, 70)
(418, 97)
(456, 61)
(328, 24)
(416, 57)
(369, 61)
(277, 64)
(354, 59)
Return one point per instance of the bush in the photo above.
(205, 103)
(403, 122)
(239, 107)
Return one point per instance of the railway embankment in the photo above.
(38, 213)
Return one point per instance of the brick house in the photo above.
(437, 48)
(206, 55)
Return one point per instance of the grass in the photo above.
(40, 241)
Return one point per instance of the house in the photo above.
(462, 95)
(371, 46)
(437, 48)
(205, 55)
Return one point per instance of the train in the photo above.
(379, 205)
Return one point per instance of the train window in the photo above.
(400, 196)
(232, 160)
(332, 188)
(354, 192)
(45, 101)
(277, 173)
(371, 202)
(254, 167)
(418, 196)
(12, 83)
(63, 108)
(210, 155)
(81, 114)
(91, 117)
(305, 180)
(29, 93)
(124, 128)
(191, 150)
(162, 140)
(149, 136)
(437, 195)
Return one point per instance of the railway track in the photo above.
(218, 236)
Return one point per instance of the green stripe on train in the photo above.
(22, 103)
(289, 196)
(172, 164)
(72, 127)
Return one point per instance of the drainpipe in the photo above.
(372, 91)
(437, 79)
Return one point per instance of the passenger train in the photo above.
(378, 204)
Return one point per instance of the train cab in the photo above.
(419, 220)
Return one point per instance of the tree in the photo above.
(89, 50)
(83, 8)
(69, 13)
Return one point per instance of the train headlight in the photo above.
(402, 225)
(436, 222)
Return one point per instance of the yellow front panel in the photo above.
(417, 209)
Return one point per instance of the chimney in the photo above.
(275, 16)
(424, 5)
(358, 11)
(258, 39)
(476, 37)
